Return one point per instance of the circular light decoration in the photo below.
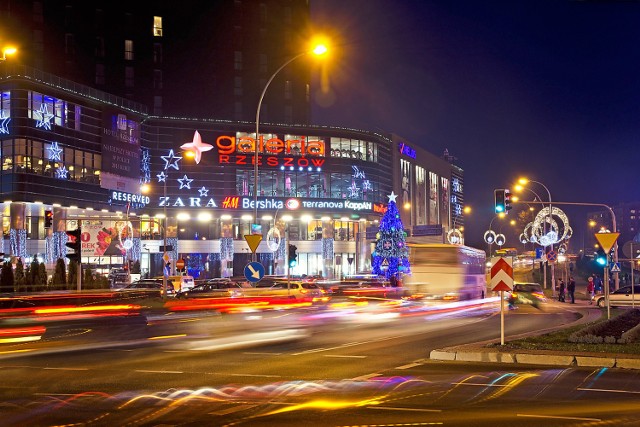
(489, 236)
(523, 239)
(273, 239)
(454, 236)
(500, 239)
(125, 235)
(556, 230)
(292, 204)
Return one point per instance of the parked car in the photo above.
(180, 282)
(213, 288)
(623, 296)
(527, 293)
(147, 288)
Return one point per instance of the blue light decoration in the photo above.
(62, 172)
(391, 256)
(145, 166)
(44, 117)
(171, 161)
(4, 124)
(162, 177)
(55, 152)
(185, 182)
(204, 192)
(18, 242)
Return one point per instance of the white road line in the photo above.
(608, 390)
(158, 372)
(365, 377)
(409, 365)
(558, 417)
(391, 408)
(67, 369)
(345, 356)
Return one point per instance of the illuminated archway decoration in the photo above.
(557, 225)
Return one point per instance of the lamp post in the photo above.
(455, 235)
(524, 181)
(318, 50)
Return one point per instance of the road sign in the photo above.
(254, 271)
(253, 240)
(606, 240)
(614, 267)
(166, 258)
(552, 256)
(180, 264)
(501, 274)
(631, 249)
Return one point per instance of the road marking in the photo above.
(344, 356)
(410, 365)
(558, 417)
(350, 344)
(392, 408)
(145, 371)
(608, 390)
(365, 377)
(482, 385)
(67, 369)
(232, 410)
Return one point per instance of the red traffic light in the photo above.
(48, 219)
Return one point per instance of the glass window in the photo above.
(128, 50)
(157, 26)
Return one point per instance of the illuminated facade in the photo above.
(84, 154)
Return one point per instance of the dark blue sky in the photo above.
(545, 89)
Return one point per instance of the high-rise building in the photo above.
(206, 59)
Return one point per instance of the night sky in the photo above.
(544, 89)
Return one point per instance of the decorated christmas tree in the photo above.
(391, 256)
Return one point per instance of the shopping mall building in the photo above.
(84, 154)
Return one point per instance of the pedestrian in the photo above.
(562, 290)
(571, 288)
(591, 290)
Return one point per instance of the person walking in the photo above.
(561, 291)
(591, 290)
(571, 288)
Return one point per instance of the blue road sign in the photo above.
(254, 271)
(614, 267)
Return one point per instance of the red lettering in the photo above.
(223, 158)
(241, 160)
(288, 161)
(317, 162)
(272, 161)
(303, 162)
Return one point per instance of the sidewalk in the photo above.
(478, 352)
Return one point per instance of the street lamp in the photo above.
(455, 235)
(7, 51)
(318, 50)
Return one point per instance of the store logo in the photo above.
(292, 204)
(379, 208)
(230, 202)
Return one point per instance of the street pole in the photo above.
(165, 273)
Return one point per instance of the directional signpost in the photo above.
(606, 241)
(501, 280)
(254, 271)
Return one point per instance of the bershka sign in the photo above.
(269, 203)
(275, 152)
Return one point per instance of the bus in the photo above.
(446, 272)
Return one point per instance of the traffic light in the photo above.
(48, 219)
(74, 243)
(600, 258)
(293, 256)
(500, 198)
(507, 201)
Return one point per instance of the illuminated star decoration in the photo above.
(162, 177)
(185, 182)
(44, 117)
(62, 172)
(204, 192)
(55, 152)
(197, 146)
(357, 173)
(392, 197)
(4, 123)
(171, 161)
(366, 185)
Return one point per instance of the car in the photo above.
(213, 288)
(284, 288)
(180, 282)
(623, 296)
(527, 293)
(147, 288)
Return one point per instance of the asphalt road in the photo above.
(351, 367)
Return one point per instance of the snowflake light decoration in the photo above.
(62, 172)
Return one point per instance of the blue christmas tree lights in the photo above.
(391, 256)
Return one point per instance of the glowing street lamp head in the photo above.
(8, 51)
(523, 181)
(320, 49)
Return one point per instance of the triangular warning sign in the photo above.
(253, 240)
(606, 240)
